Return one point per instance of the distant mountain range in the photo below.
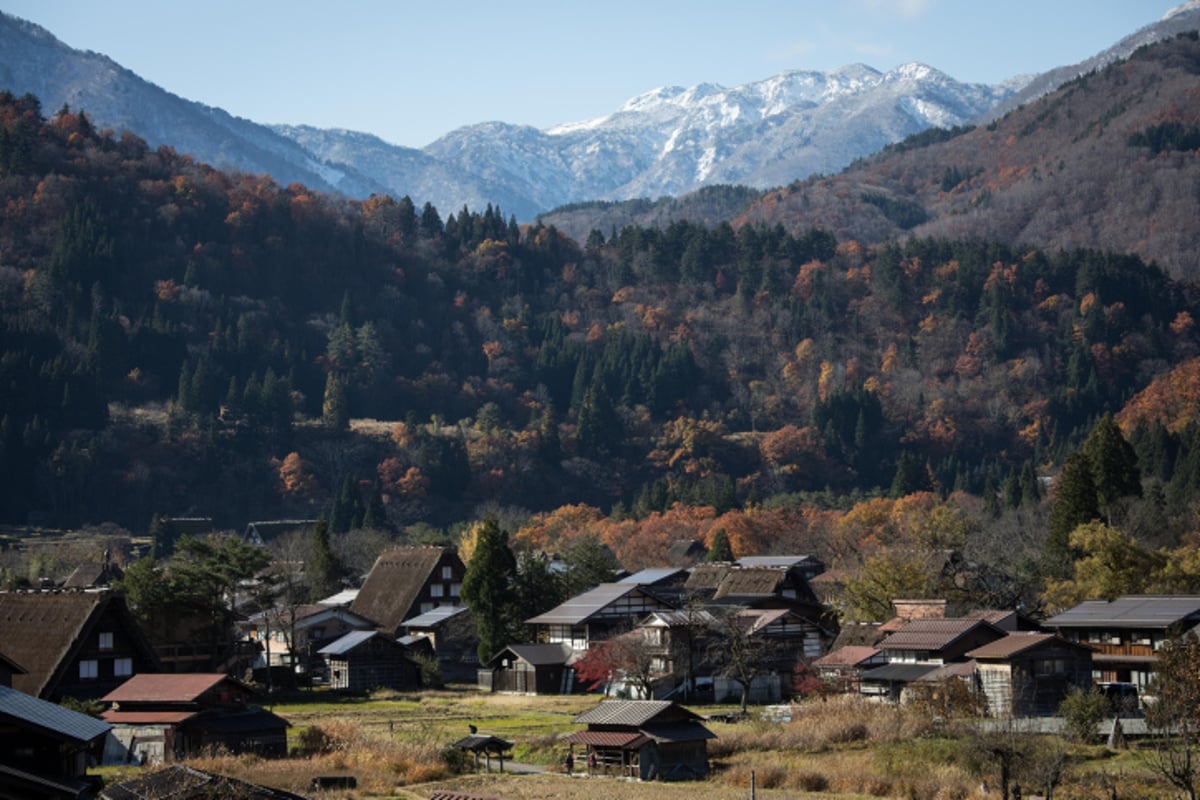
(668, 141)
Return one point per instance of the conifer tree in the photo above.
(488, 588)
(324, 570)
(720, 550)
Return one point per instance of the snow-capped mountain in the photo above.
(673, 140)
(667, 141)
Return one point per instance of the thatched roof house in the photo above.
(72, 644)
(407, 581)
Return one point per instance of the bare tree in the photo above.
(739, 652)
(1174, 716)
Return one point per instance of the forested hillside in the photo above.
(1108, 161)
(177, 340)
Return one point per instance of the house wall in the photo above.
(362, 671)
(522, 678)
(138, 744)
(673, 761)
(102, 664)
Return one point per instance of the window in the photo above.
(89, 669)
(123, 667)
(447, 573)
(437, 590)
(426, 607)
(455, 589)
(106, 641)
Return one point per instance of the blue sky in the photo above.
(412, 70)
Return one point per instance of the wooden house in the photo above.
(162, 718)
(407, 581)
(596, 615)
(72, 644)
(1127, 633)
(529, 669)
(842, 669)
(644, 739)
(453, 640)
(45, 748)
(920, 647)
(1030, 674)
(292, 636)
(364, 660)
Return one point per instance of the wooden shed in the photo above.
(529, 669)
(644, 739)
(365, 660)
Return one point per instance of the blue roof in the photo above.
(347, 643)
(50, 717)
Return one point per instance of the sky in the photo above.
(410, 71)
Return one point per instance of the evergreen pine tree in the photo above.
(1075, 503)
(488, 588)
(323, 569)
(720, 550)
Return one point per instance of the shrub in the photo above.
(1082, 711)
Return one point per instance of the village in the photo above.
(743, 635)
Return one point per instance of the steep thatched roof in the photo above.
(42, 631)
(390, 594)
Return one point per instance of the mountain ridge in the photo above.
(665, 141)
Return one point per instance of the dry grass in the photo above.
(395, 746)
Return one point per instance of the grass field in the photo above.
(396, 747)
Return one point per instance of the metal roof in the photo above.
(536, 654)
(626, 740)
(902, 673)
(777, 561)
(347, 643)
(848, 656)
(586, 605)
(1016, 643)
(433, 617)
(1130, 611)
(932, 634)
(167, 688)
(652, 575)
(148, 717)
(630, 712)
(50, 717)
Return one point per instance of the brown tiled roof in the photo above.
(394, 584)
(149, 688)
(930, 634)
(147, 717)
(847, 656)
(40, 630)
(623, 739)
(634, 712)
(1016, 643)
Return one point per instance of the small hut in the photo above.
(645, 739)
(490, 746)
